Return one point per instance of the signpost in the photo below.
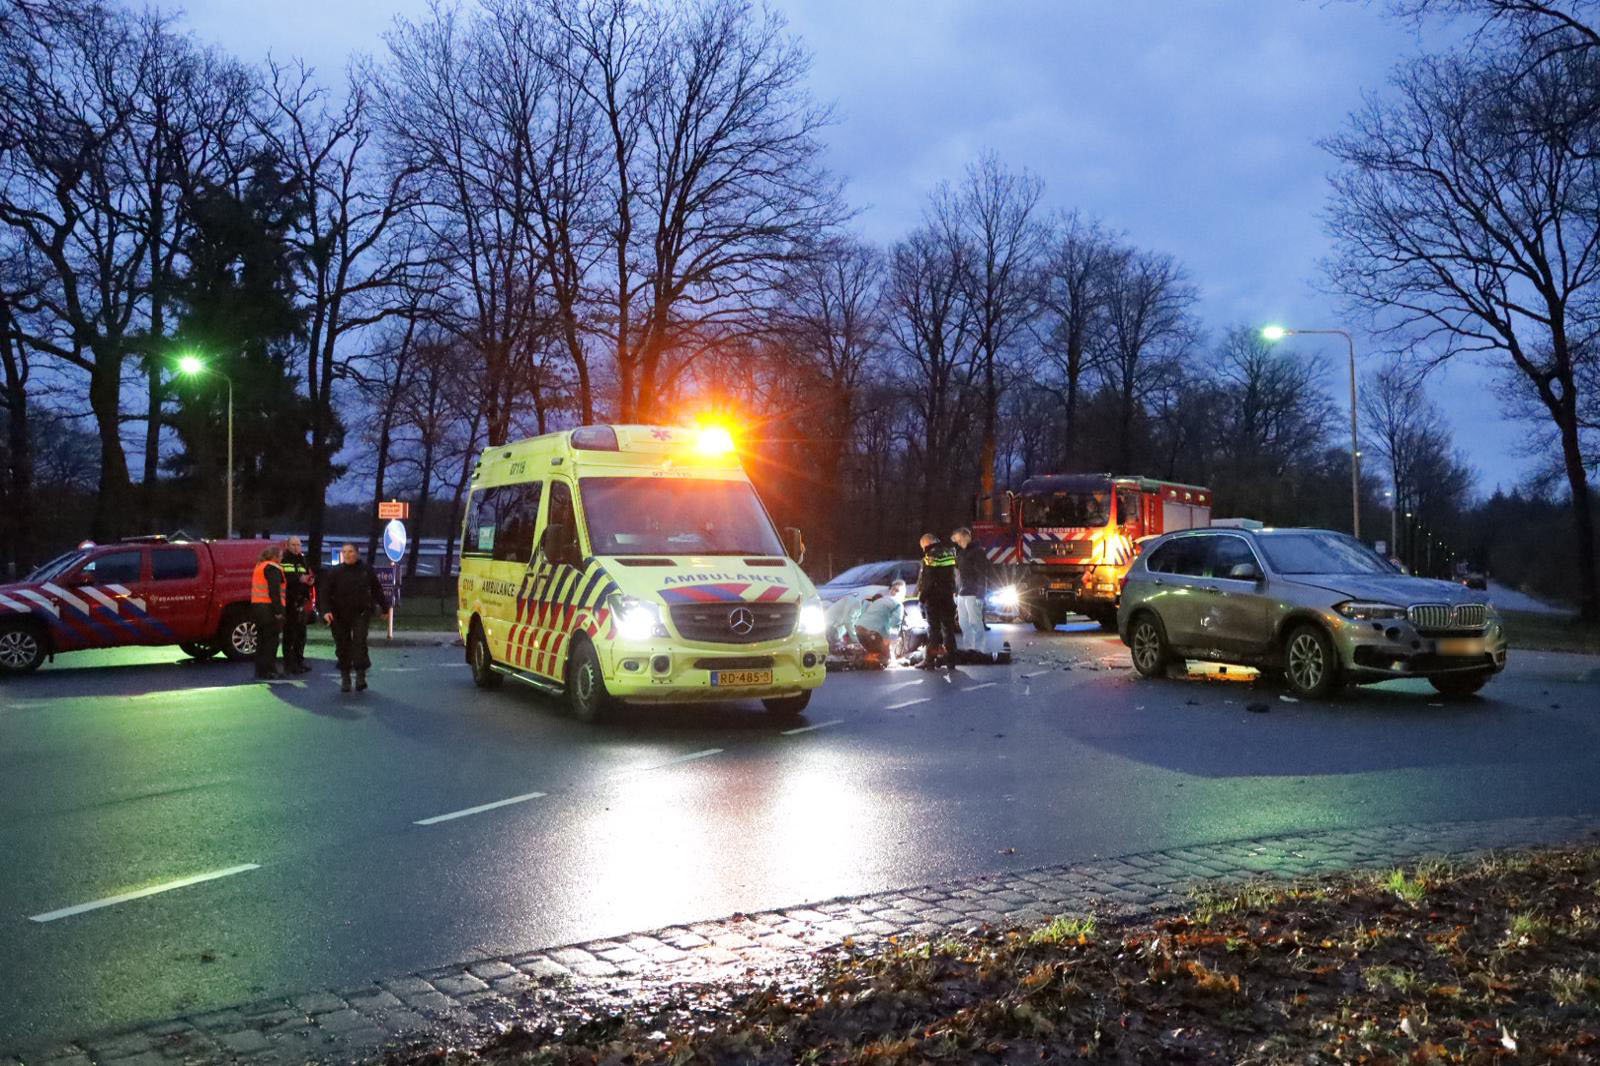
(394, 509)
(394, 546)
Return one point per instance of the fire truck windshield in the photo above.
(1075, 509)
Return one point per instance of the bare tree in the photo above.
(1074, 288)
(348, 262)
(994, 214)
(1149, 327)
(1465, 233)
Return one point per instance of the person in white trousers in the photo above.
(972, 587)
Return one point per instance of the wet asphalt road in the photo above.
(125, 770)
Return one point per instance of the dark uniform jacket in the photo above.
(936, 580)
(297, 594)
(352, 589)
(972, 571)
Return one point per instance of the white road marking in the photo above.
(904, 684)
(974, 688)
(809, 728)
(479, 809)
(689, 757)
(67, 912)
(1036, 673)
(907, 703)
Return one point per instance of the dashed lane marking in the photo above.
(94, 905)
(907, 703)
(974, 688)
(904, 684)
(524, 798)
(1036, 673)
(811, 728)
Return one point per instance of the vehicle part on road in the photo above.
(22, 648)
(1151, 655)
(787, 706)
(199, 650)
(1459, 685)
(586, 685)
(239, 635)
(1310, 666)
(484, 674)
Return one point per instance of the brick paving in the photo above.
(455, 1005)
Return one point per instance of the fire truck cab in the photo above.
(1068, 539)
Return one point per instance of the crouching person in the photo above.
(878, 623)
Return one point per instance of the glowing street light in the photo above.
(193, 366)
(1277, 333)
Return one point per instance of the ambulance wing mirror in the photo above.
(559, 546)
(794, 545)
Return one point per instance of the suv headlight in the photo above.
(813, 617)
(1369, 612)
(636, 619)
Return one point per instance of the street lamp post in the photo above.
(193, 366)
(1277, 333)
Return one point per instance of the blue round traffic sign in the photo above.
(394, 540)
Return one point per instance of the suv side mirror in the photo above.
(1244, 572)
(794, 545)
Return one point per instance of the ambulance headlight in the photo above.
(813, 618)
(636, 619)
(1007, 598)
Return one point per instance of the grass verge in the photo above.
(1497, 961)
(1551, 632)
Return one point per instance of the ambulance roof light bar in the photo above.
(595, 439)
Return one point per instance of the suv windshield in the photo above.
(56, 567)
(1067, 509)
(1321, 553)
(689, 516)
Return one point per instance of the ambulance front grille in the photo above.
(734, 623)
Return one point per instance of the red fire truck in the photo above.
(1068, 538)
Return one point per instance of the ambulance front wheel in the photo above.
(482, 663)
(787, 706)
(586, 684)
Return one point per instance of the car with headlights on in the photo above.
(1318, 607)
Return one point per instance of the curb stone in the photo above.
(460, 1004)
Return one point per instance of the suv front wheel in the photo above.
(1310, 664)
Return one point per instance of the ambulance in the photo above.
(634, 563)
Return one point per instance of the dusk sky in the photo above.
(1191, 126)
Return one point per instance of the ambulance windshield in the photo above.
(1077, 509)
(691, 516)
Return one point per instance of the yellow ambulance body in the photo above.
(633, 563)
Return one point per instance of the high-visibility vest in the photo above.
(259, 592)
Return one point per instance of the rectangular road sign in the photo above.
(394, 509)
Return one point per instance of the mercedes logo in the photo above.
(741, 621)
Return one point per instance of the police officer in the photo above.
(297, 607)
(936, 590)
(347, 594)
(266, 607)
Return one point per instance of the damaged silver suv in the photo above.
(1316, 606)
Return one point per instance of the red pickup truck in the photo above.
(144, 591)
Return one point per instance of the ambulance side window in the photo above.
(564, 521)
(516, 518)
(477, 536)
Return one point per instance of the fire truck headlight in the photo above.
(1007, 598)
(813, 618)
(637, 619)
(1369, 612)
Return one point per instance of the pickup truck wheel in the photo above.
(198, 650)
(21, 648)
(239, 636)
(1044, 620)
